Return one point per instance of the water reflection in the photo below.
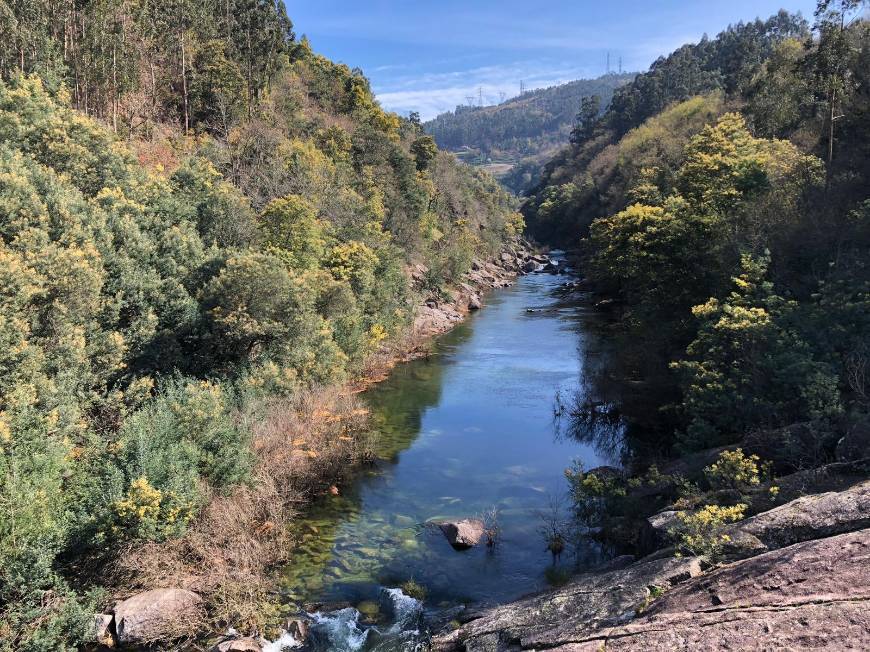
(468, 430)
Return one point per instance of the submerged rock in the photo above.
(158, 614)
(463, 534)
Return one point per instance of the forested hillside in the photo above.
(203, 225)
(525, 129)
(722, 207)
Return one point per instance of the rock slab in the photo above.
(810, 596)
(809, 517)
(570, 612)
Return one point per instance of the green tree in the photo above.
(748, 366)
(291, 225)
(424, 151)
(587, 118)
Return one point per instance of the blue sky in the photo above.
(428, 56)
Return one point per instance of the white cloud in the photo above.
(433, 93)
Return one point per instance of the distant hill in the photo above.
(515, 137)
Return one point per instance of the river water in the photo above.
(466, 431)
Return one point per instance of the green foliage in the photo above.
(141, 310)
(223, 216)
(748, 366)
(258, 309)
(424, 150)
(701, 534)
(290, 225)
(596, 496)
(587, 118)
(201, 64)
(734, 470)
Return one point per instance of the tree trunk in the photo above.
(184, 85)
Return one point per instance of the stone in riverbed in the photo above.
(158, 614)
(464, 533)
(243, 644)
(298, 629)
(101, 633)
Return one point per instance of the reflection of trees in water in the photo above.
(618, 406)
(592, 412)
(577, 416)
(398, 403)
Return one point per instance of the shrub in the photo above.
(735, 470)
(701, 534)
(150, 514)
(186, 439)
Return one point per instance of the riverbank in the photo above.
(304, 447)
(794, 576)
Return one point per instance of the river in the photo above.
(466, 431)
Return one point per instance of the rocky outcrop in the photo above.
(440, 315)
(809, 596)
(804, 519)
(463, 534)
(656, 532)
(803, 582)
(854, 446)
(586, 604)
(158, 615)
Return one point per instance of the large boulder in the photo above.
(464, 533)
(156, 615)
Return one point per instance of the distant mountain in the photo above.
(514, 138)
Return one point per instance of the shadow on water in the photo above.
(469, 429)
